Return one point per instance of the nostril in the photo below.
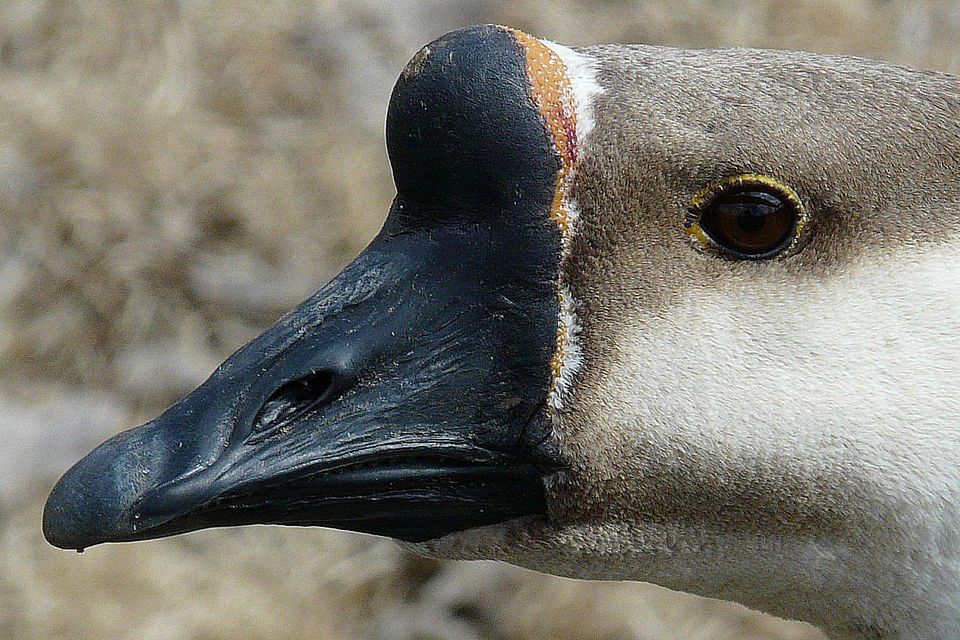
(292, 400)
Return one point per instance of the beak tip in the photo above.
(86, 506)
(64, 526)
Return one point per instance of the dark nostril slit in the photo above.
(293, 399)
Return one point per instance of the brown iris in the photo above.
(749, 223)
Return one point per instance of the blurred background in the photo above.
(174, 175)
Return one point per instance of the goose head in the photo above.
(686, 317)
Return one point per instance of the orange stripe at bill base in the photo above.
(553, 94)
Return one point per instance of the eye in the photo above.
(749, 223)
(747, 217)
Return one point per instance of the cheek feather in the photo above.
(568, 357)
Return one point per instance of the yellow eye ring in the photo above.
(746, 217)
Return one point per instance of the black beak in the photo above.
(406, 398)
(138, 486)
(372, 407)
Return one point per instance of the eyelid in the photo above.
(706, 196)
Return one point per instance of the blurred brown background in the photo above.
(176, 174)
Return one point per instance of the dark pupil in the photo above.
(750, 223)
